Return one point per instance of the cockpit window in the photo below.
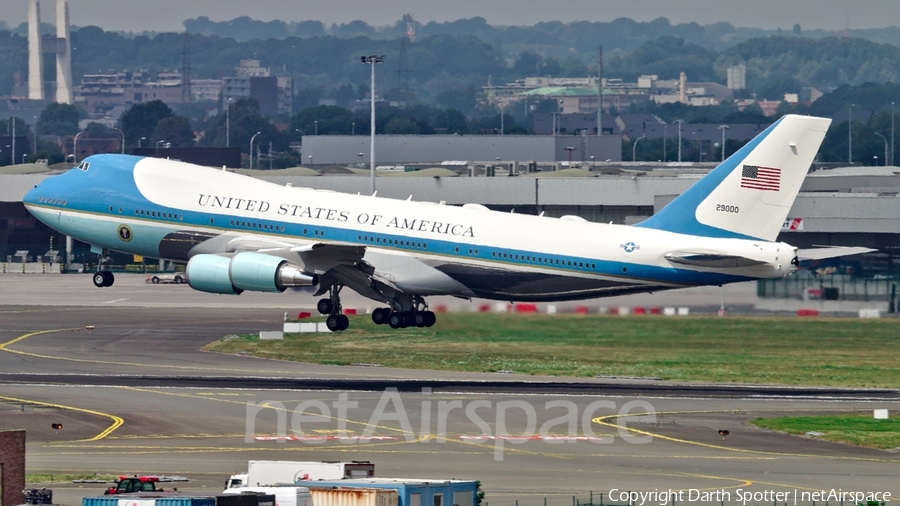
(83, 166)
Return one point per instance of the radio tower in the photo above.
(410, 27)
(186, 96)
(403, 74)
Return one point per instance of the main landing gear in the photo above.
(336, 321)
(103, 279)
(415, 314)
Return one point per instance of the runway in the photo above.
(136, 395)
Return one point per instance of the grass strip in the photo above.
(761, 350)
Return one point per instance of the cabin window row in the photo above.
(155, 214)
(392, 242)
(258, 226)
(541, 260)
(57, 202)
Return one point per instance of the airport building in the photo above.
(419, 149)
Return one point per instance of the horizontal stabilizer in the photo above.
(711, 260)
(831, 252)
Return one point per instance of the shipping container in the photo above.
(284, 496)
(349, 496)
(144, 500)
(246, 499)
(412, 492)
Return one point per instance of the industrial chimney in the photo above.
(35, 52)
(63, 54)
(61, 47)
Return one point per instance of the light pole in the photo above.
(372, 61)
(228, 124)
(892, 134)
(123, 139)
(680, 122)
(251, 147)
(36, 133)
(361, 163)
(876, 160)
(665, 136)
(157, 146)
(140, 141)
(310, 159)
(723, 128)
(634, 147)
(885, 148)
(75, 146)
(353, 128)
(850, 134)
(502, 125)
(316, 124)
(13, 152)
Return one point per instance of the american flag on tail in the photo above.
(755, 177)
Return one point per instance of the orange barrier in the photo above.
(523, 307)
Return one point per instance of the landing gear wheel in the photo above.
(104, 279)
(430, 318)
(420, 320)
(345, 322)
(334, 322)
(325, 306)
(397, 320)
(381, 315)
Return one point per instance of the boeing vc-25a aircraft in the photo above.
(237, 233)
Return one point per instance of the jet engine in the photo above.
(256, 272)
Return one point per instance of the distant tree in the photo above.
(99, 130)
(400, 125)
(246, 120)
(328, 119)
(175, 130)
(59, 119)
(451, 121)
(463, 99)
(142, 119)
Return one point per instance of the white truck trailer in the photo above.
(262, 473)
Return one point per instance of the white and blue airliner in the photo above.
(237, 233)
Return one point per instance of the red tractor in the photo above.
(132, 484)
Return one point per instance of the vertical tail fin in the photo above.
(750, 194)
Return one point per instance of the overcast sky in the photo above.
(168, 15)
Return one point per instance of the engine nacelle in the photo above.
(256, 272)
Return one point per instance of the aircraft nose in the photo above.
(32, 196)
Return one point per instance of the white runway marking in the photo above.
(117, 300)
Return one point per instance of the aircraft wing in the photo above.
(830, 252)
(713, 260)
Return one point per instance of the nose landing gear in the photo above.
(103, 279)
